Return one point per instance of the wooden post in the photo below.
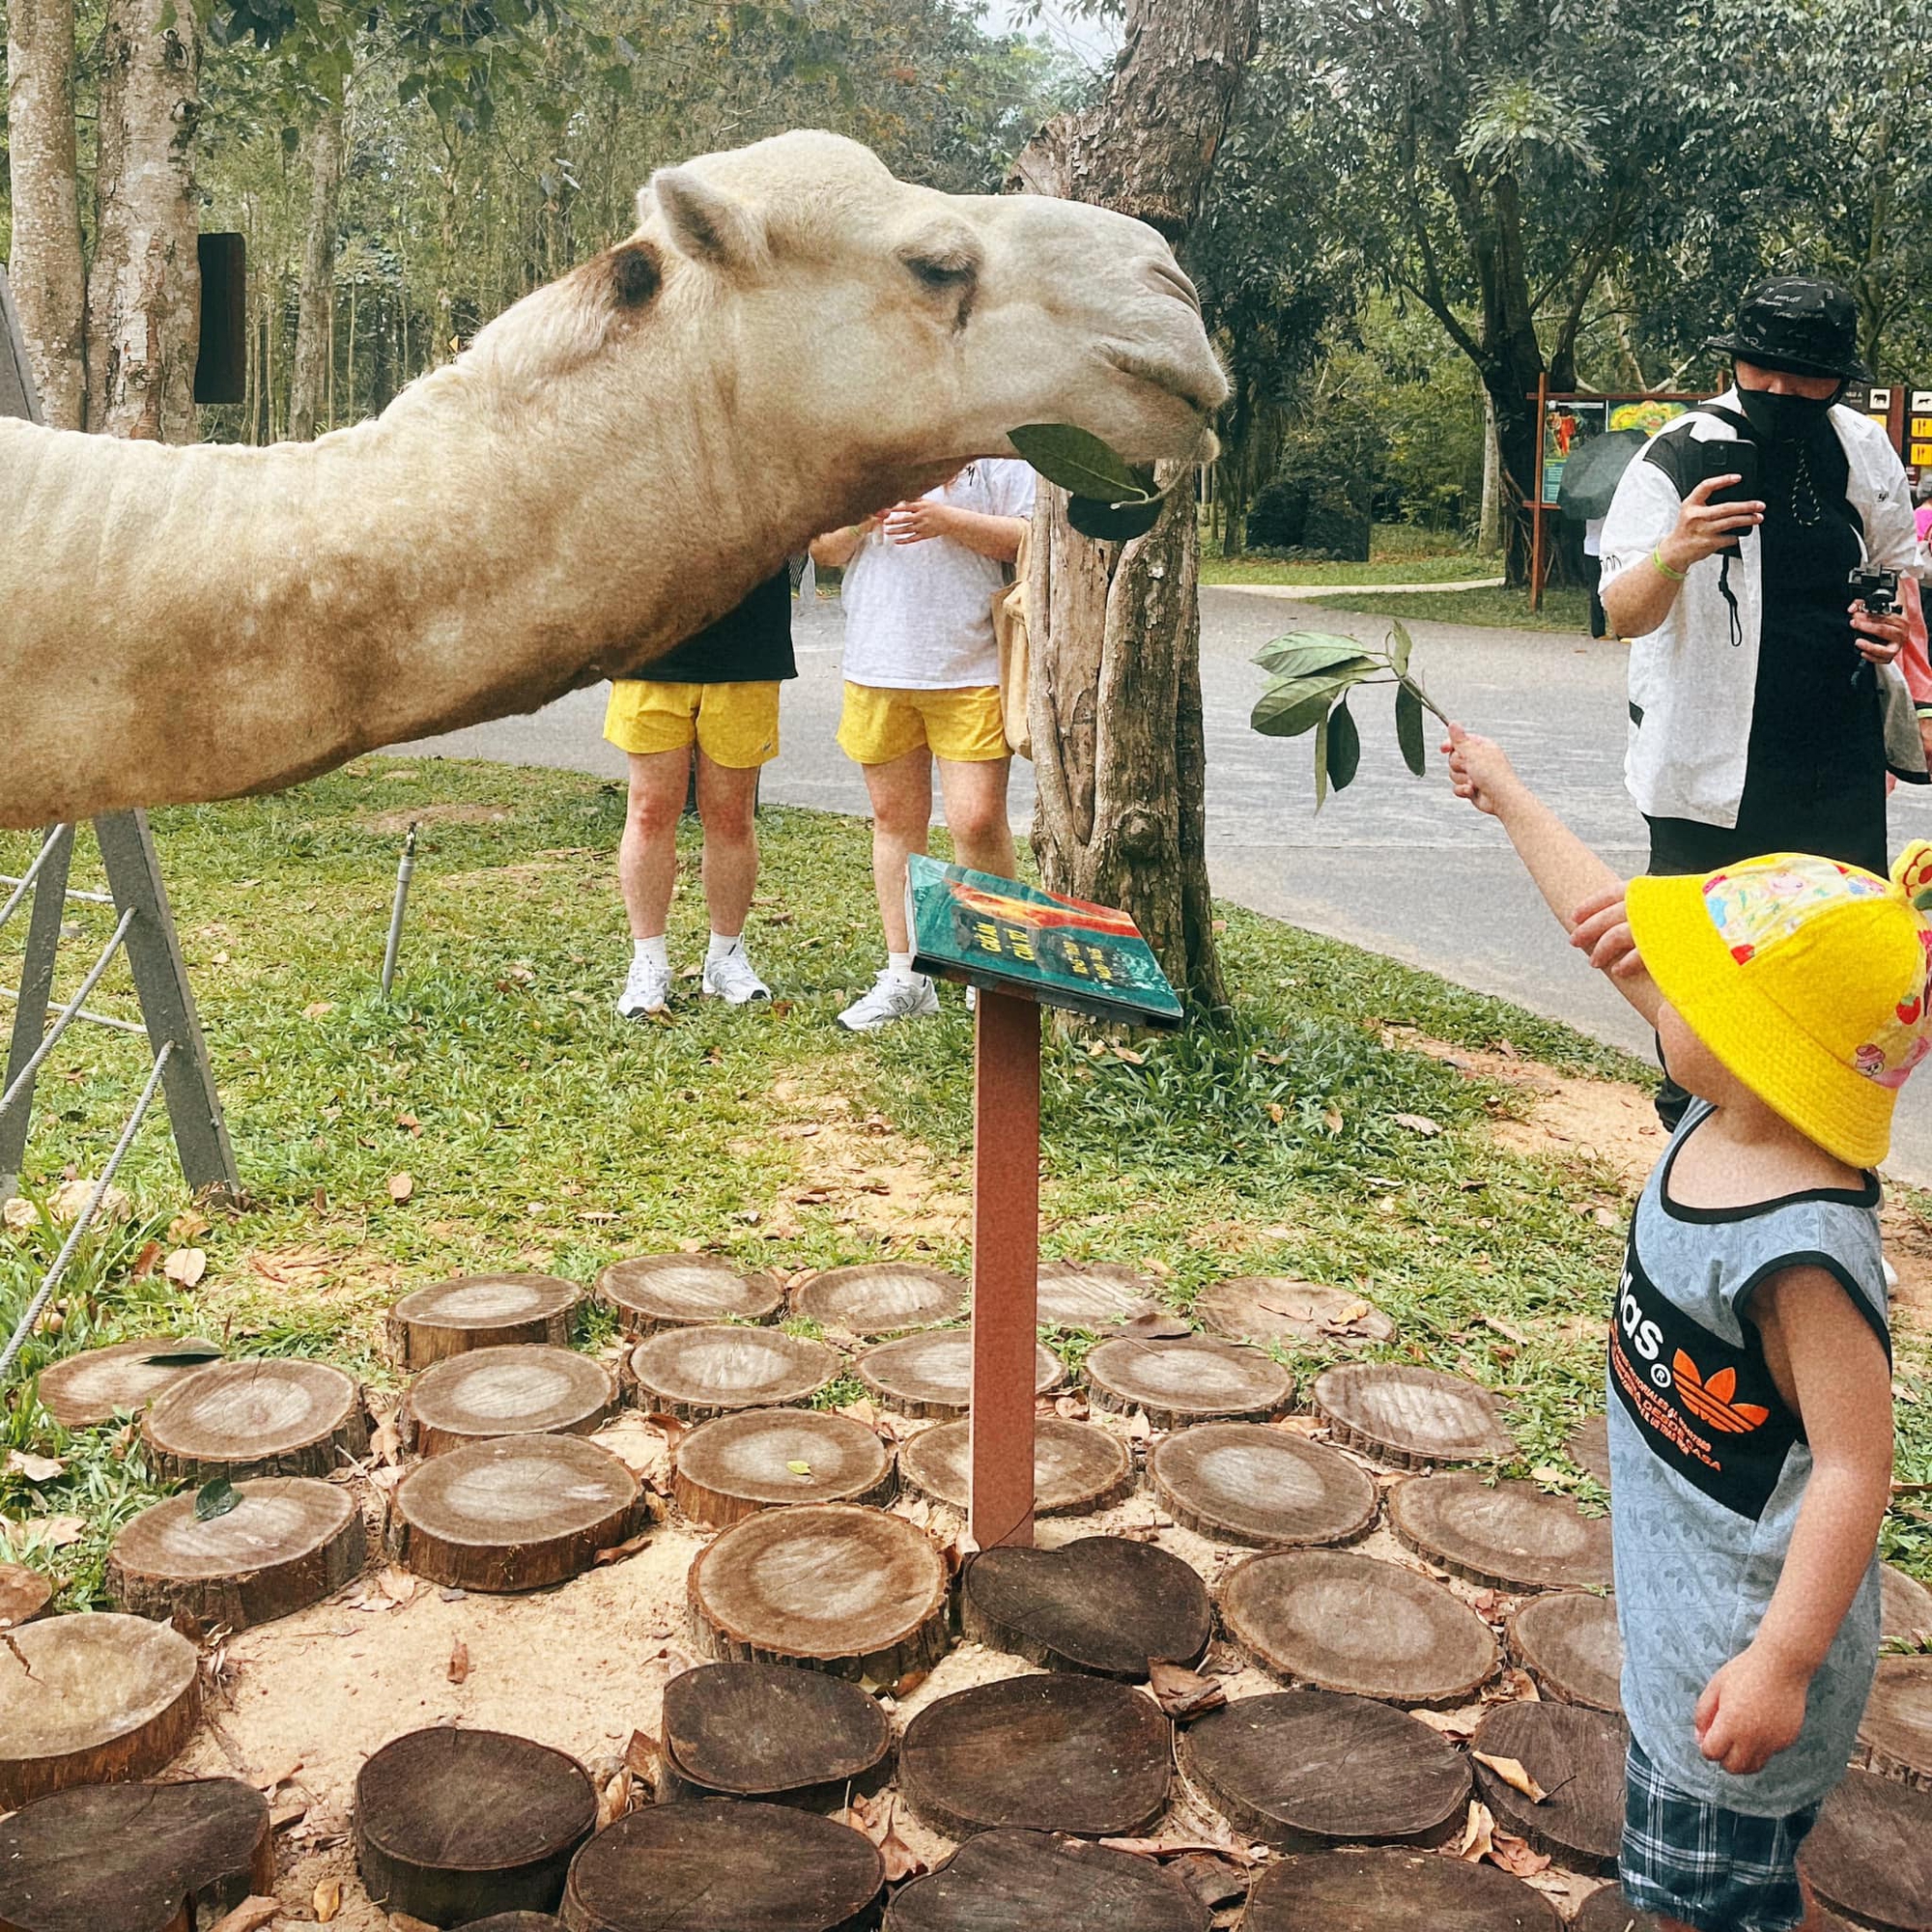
(1536, 504)
(1005, 1267)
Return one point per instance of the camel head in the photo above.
(922, 326)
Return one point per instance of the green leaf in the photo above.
(1345, 747)
(1288, 710)
(1301, 652)
(1081, 464)
(216, 1498)
(1320, 764)
(1401, 649)
(1113, 522)
(1409, 728)
(186, 1355)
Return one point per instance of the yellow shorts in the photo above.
(881, 724)
(734, 725)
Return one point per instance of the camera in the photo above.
(1737, 458)
(1876, 589)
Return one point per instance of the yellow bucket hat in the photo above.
(1807, 979)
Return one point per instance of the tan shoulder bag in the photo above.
(1010, 633)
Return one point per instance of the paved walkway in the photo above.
(1306, 590)
(1394, 863)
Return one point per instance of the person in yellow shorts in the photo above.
(717, 691)
(923, 685)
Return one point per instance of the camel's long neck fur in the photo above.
(191, 624)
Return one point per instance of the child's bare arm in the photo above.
(1832, 1366)
(1583, 893)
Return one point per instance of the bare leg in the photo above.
(647, 857)
(975, 815)
(727, 808)
(901, 795)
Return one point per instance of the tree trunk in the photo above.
(315, 326)
(144, 294)
(1489, 524)
(46, 270)
(1118, 736)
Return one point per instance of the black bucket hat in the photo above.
(1801, 323)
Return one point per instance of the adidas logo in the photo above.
(1710, 1402)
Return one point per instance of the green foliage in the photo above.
(1109, 499)
(217, 1499)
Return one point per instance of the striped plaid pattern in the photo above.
(1717, 1870)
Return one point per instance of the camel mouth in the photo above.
(1183, 382)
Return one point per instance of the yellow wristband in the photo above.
(1657, 557)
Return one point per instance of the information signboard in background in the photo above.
(1567, 421)
(1918, 430)
(1648, 413)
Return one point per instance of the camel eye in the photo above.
(943, 270)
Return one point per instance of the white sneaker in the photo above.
(890, 999)
(732, 979)
(646, 990)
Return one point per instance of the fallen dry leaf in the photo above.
(188, 1227)
(459, 1661)
(1513, 1855)
(1478, 1835)
(615, 1800)
(401, 1922)
(250, 1916)
(185, 1266)
(57, 1532)
(66, 1202)
(402, 1186)
(1331, 1118)
(1180, 1845)
(1211, 1878)
(385, 1443)
(1419, 1123)
(672, 1428)
(318, 1010)
(19, 1213)
(291, 1812)
(1512, 1772)
(1452, 1723)
(619, 1550)
(35, 1468)
(327, 1900)
(146, 1261)
(1512, 1684)
(278, 1773)
(1183, 1694)
(641, 1755)
(1153, 1326)
(398, 1585)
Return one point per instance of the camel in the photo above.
(790, 339)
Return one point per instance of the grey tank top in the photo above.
(1708, 1468)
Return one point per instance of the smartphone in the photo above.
(1737, 458)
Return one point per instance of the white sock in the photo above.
(656, 951)
(899, 966)
(720, 946)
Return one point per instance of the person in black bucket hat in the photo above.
(1766, 706)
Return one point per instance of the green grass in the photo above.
(543, 1133)
(1564, 607)
(1451, 569)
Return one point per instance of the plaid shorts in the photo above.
(1719, 1870)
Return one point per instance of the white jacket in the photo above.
(1691, 689)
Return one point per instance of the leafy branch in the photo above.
(1313, 673)
(1107, 497)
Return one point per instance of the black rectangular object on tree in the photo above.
(221, 367)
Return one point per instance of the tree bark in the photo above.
(1490, 522)
(144, 293)
(46, 271)
(315, 322)
(1116, 704)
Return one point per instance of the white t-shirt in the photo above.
(920, 616)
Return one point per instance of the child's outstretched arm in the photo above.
(1831, 1367)
(1583, 893)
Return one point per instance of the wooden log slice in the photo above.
(1103, 1603)
(1243, 1482)
(1609, 1911)
(1577, 1754)
(1393, 1891)
(1905, 1605)
(730, 1468)
(24, 1595)
(1265, 1308)
(1507, 1536)
(1077, 1467)
(1055, 1754)
(91, 1700)
(1589, 1447)
(1304, 1770)
(98, 1385)
(1895, 1738)
(480, 1311)
(513, 1514)
(1411, 1417)
(695, 1373)
(1347, 1622)
(932, 1373)
(256, 1418)
(1093, 1295)
(1016, 1880)
(880, 1297)
(655, 1291)
(1869, 1855)
(1568, 1641)
(1191, 1379)
(832, 1587)
(134, 1858)
(724, 1868)
(775, 1732)
(453, 1824)
(290, 1542)
(520, 1389)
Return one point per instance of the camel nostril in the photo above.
(1172, 281)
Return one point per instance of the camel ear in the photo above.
(706, 222)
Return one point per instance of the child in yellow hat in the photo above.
(1750, 1358)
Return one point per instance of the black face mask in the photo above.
(1786, 418)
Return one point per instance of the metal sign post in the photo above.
(1023, 948)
